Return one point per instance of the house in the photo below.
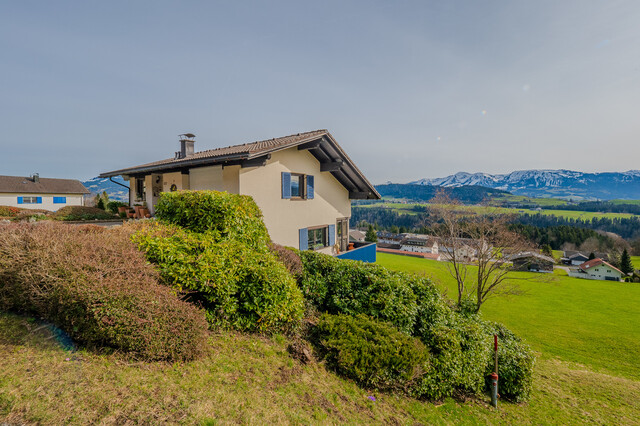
(597, 269)
(303, 183)
(532, 262)
(35, 192)
(576, 258)
(356, 235)
(419, 244)
(465, 249)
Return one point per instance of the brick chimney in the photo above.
(186, 145)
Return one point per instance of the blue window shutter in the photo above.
(304, 239)
(39, 200)
(20, 200)
(332, 235)
(59, 200)
(310, 184)
(286, 185)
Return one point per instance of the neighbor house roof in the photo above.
(528, 254)
(320, 143)
(597, 262)
(29, 185)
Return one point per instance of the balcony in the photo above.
(364, 252)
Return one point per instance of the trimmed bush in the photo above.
(72, 213)
(515, 365)
(289, 259)
(227, 216)
(94, 284)
(240, 287)
(372, 353)
(460, 344)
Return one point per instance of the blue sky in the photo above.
(410, 89)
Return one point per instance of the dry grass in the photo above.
(249, 379)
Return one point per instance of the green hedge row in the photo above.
(460, 345)
(226, 216)
(240, 287)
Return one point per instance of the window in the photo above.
(140, 189)
(59, 200)
(317, 238)
(29, 200)
(297, 186)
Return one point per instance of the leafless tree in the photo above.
(479, 239)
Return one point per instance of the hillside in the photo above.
(116, 192)
(466, 194)
(550, 183)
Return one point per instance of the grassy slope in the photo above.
(251, 379)
(595, 323)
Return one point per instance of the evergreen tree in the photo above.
(625, 262)
(592, 256)
(546, 250)
(371, 235)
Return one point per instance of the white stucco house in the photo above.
(419, 244)
(35, 192)
(597, 269)
(303, 183)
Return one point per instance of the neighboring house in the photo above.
(597, 269)
(356, 235)
(532, 262)
(574, 258)
(41, 193)
(466, 249)
(303, 183)
(389, 237)
(419, 244)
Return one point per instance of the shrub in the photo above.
(6, 211)
(289, 259)
(460, 343)
(241, 287)
(228, 216)
(112, 206)
(372, 353)
(515, 365)
(94, 284)
(71, 213)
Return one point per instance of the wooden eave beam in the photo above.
(310, 145)
(256, 162)
(331, 166)
(357, 195)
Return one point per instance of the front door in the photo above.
(342, 231)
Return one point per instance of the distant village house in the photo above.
(35, 192)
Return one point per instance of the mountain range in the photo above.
(550, 183)
(115, 191)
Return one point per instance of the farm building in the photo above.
(532, 262)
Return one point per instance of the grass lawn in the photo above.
(593, 323)
(250, 379)
(636, 261)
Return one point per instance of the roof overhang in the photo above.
(323, 147)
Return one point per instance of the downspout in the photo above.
(124, 186)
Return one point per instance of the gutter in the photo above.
(124, 186)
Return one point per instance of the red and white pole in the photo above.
(494, 376)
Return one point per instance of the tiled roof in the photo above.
(245, 150)
(349, 175)
(597, 262)
(27, 185)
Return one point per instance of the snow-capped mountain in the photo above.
(115, 191)
(551, 183)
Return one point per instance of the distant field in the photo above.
(569, 214)
(594, 323)
(636, 261)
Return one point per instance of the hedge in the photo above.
(460, 344)
(227, 216)
(94, 284)
(241, 287)
(372, 353)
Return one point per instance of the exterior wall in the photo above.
(598, 273)
(285, 217)
(216, 178)
(11, 200)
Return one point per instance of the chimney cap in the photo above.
(188, 135)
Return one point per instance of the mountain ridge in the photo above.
(560, 183)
